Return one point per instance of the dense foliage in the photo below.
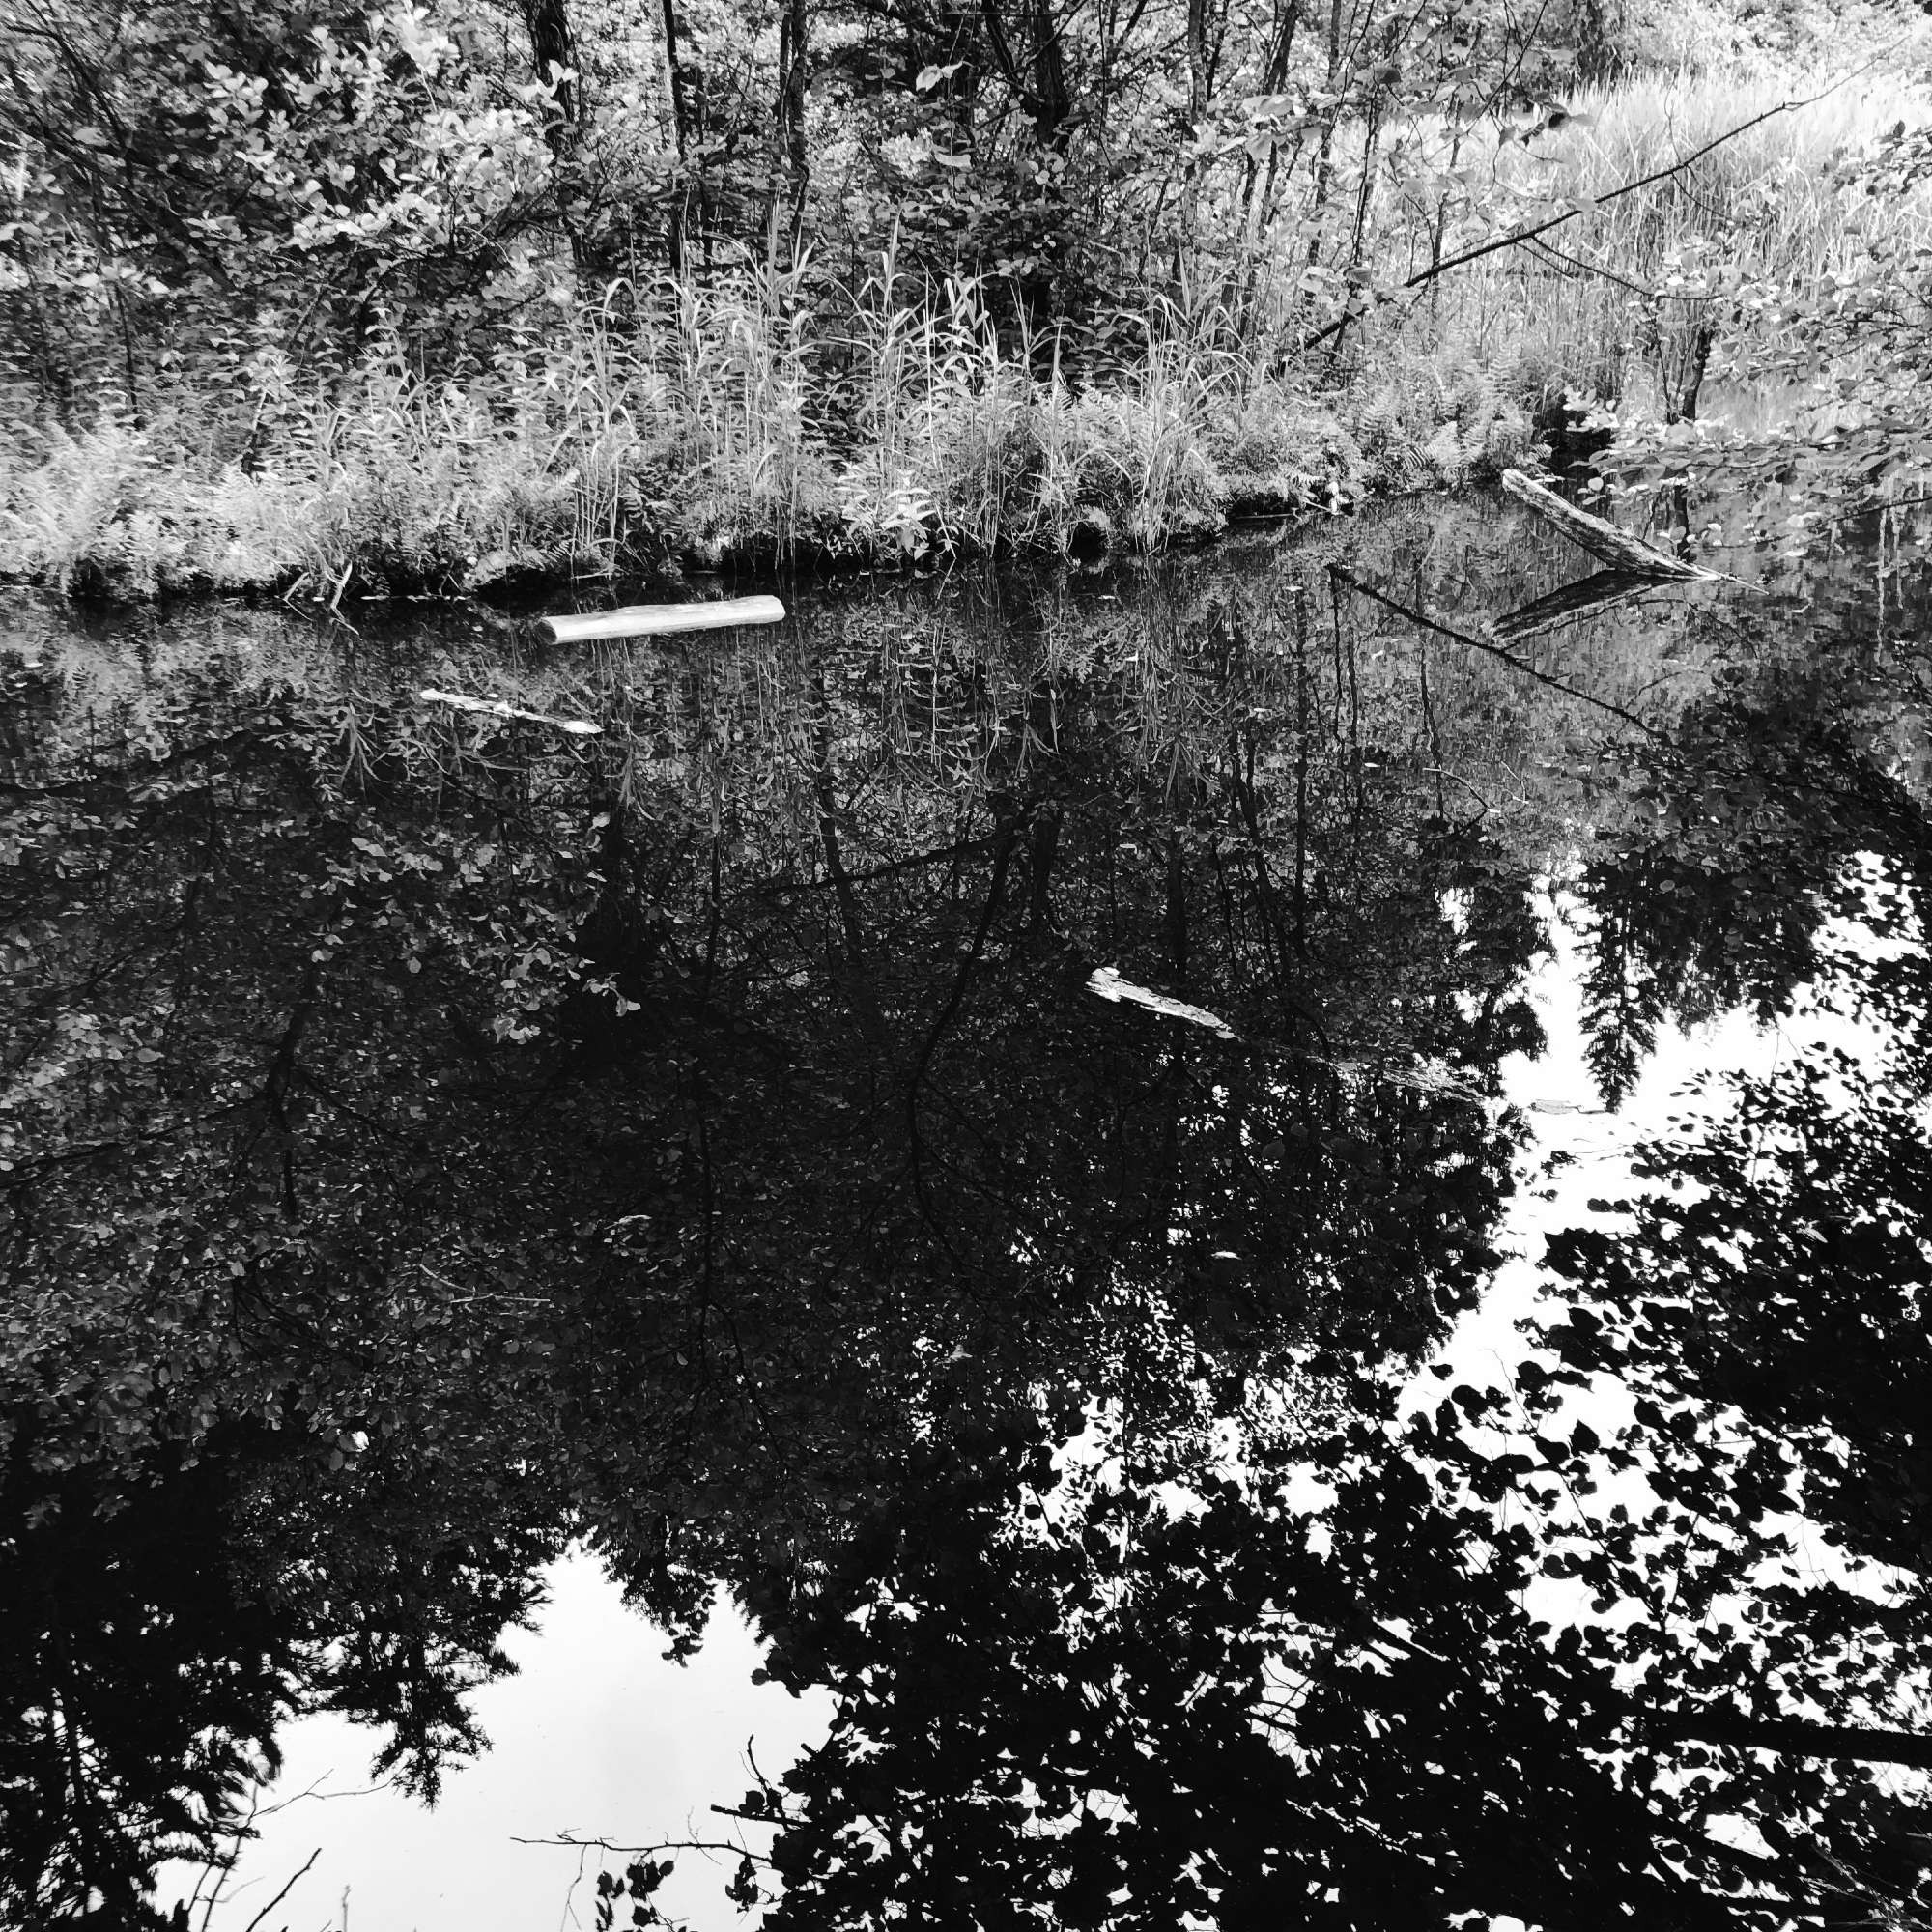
(423, 295)
(278, 177)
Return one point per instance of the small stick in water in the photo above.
(497, 707)
(1108, 983)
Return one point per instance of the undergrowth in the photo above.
(1776, 287)
(700, 425)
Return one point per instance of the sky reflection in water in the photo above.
(432, 1140)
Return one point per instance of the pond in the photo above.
(1085, 1174)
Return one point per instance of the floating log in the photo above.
(498, 707)
(1607, 544)
(657, 621)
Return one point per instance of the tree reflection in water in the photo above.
(430, 1140)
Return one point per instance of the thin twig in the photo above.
(1584, 268)
(283, 1894)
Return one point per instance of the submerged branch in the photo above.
(1515, 663)
(965, 849)
(1588, 597)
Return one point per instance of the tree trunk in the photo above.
(554, 54)
(677, 225)
(1039, 870)
(1176, 921)
(793, 161)
(1053, 102)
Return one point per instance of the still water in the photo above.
(1325, 1441)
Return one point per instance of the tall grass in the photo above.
(1711, 292)
(940, 449)
(682, 423)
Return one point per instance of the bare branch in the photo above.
(1515, 663)
(570, 1842)
(1516, 237)
(284, 1893)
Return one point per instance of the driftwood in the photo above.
(1588, 597)
(1109, 985)
(1617, 548)
(1424, 1078)
(497, 707)
(657, 621)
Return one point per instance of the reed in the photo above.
(675, 421)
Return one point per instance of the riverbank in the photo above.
(1746, 315)
(656, 447)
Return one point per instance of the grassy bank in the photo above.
(1775, 289)
(701, 427)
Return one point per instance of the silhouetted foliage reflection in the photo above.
(1108, 1711)
(429, 1140)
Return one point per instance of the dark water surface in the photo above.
(429, 1143)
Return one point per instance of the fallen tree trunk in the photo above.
(1608, 545)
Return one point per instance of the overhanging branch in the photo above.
(1517, 237)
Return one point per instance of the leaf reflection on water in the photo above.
(703, 1141)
